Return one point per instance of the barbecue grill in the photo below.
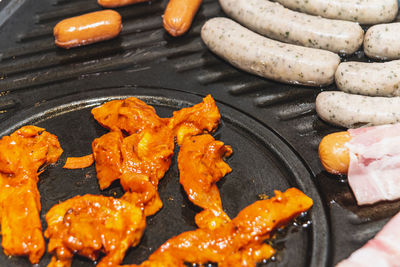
(273, 128)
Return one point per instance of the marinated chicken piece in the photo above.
(201, 118)
(130, 115)
(201, 166)
(146, 155)
(108, 158)
(90, 225)
(21, 155)
(146, 158)
(236, 243)
(20, 220)
(139, 161)
(138, 151)
(116, 159)
(79, 162)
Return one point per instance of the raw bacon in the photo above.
(383, 250)
(374, 170)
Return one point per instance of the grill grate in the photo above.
(33, 70)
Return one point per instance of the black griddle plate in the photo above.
(273, 127)
(261, 163)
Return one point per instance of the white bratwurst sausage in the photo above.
(382, 41)
(279, 23)
(374, 79)
(350, 111)
(362, 11)
(267, 58)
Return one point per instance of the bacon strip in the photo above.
(375, 163)
(382, 250)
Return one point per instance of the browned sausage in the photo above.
(116, 3)
(86, 29)
(179, 15)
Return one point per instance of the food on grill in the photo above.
(334, 154)
(382, 41)
(79, 162)
(179, 15)
(238, 241)
(350, 111)
(374, 163)
(279, 23)
(374, 79)
(130, 115)
(268, 58)
(364, 12)
(118, 3)
(201, 166)
(108, 158)
(382, 250)
(86, 29)
(21, 155)
(370, 156)
(141, 158)
(201, 118)
(90, 225)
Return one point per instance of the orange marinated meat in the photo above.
(90, 225)
(146, 155)
(239, 242)
(201, 166)
(130, 116)
(139, 148)
(21, 155)
(108, 158)
(146, 158)
(140, 159)
(79, 162)
(201, 118)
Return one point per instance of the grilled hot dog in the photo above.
(118, 3)
(179, 15)
(334, 154)
(86, 29)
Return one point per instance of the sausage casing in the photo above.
(382, 41)
(374, 79)
(364, 11)
(279, 23)
(267, 58)
(117, 3)
(352, 111)
(88, 28)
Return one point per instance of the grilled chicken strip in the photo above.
(21, 155)
(201, 166)
(236, 243)
(90, 225)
